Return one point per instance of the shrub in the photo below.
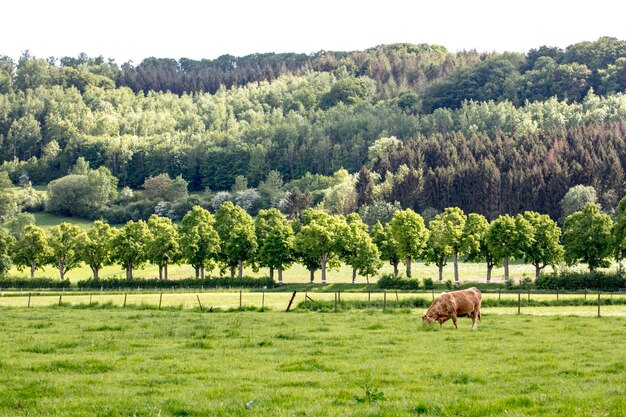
(220, 282)
(570, 280)
(389, 282)
(33, 283)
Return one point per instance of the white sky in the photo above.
(133, 30)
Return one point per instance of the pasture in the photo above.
(109, 361)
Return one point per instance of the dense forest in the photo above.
(492, 133)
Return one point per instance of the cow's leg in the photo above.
(454, 321)
(474, 315)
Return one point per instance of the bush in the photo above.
(389, 282)
(570, 280)
(33, 283)
(245, 282)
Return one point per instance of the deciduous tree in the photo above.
(200, 242)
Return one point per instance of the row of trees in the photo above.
(319, 240)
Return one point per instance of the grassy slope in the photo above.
(68, 362)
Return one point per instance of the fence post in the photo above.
(160, 299)
(397, 299)
(384, 300)
(60, 298)
(291, 301)
(90, 295)
(557, 293)
(125, 296)
(199, 303)
(28, 300)
(335, 302)
(263, 300)
(519, 301)
(598, 303)
(369, 296)
(240, 300)
(499, 294)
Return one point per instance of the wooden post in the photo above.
(199, 303)
(598, 303)
(335, 301)
(519, 301)
(28, 300)
(60, 298)
(291, 301)
(397, 299)
(369, 296)
(557, 293)
(499, 294)
(384, 300)
(90, 295)
(125, 296)
(240, 300)
(339, 296)
(529, 294)
(160, 299)
(263, 300)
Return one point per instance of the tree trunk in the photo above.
(395, 270)
(165, 272)
(506, 268)
(272, 274)
(33, 266)
(197, 269)
(440, 273)
(354, 275)
(129, 271)
(408, 267)
(280, 274)
(61, 269)
(201, 271)
(312, 272)
(456, 265)
(537, 271)
(489, 268)
(95, 270)
(232, 271)
(240, 269)
(323, 260)
(160, 272)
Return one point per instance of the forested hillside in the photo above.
(490, 133)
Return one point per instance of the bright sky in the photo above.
(132, 30)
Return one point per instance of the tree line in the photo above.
(231, 238)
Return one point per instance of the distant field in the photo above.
(298, 274)
(114, 362)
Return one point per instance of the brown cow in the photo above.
(463, 303)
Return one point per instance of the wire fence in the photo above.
(586, 303)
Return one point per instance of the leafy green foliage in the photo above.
(409, 234)
(95, 246)
(163, 244)
(32, 249)
(129, 246)
(236, 230)
(64, 241)
(199, 241)
(587, 237)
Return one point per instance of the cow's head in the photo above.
(428, 319)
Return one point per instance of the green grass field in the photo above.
(115, 362)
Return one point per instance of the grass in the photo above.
(114, 362)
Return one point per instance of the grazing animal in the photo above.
(450, 305)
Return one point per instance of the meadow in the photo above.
(109, 361)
